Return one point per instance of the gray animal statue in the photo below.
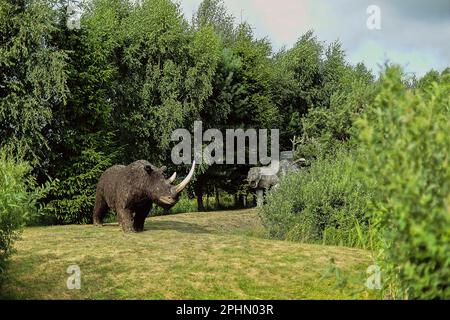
(258, 180)
(131, 191)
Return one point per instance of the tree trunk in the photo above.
(241, 201)
(217, 198)
(199, 195)
(200, 206)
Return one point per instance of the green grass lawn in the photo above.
(212, 255)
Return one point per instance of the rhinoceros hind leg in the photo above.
(100, 210)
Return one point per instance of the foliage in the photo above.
(256, 108)
(312, 85)
(214, 13)
(185, 204)
(406, 146)
(241, 95)
(73, 198)
(325, 203)
(82, 135)
(33, 76)
(296, 83)
(327, 129)
(165, 71)
(18, 197)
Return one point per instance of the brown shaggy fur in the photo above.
(131, 191)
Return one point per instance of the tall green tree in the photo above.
(318, 93)
(82, 137)
(33, 76)
(214, 13)
(297, 83)
(241, 92)
(165, 73)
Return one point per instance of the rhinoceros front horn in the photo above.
(186, 180)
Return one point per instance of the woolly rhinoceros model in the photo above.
(131, 191)
(263, 178)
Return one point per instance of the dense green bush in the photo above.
(72, 198)
(327, 129)
(183, 205)
(324, 203)
(17, 203)
(32, 77)
(405, 138)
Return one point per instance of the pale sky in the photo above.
(414, 33)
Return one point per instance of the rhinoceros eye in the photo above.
(148, 168)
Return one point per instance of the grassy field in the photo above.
(212, 255)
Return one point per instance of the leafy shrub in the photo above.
(72, 199)
(405, 137)
(327, 129)
(227, 200)
(17, 203)
(183, 205)
(326, 203)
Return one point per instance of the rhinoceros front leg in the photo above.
(125, 218)
(259, 197)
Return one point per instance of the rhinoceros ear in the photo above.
(148, 168)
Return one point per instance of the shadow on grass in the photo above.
(175, 226)
(184, 227)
